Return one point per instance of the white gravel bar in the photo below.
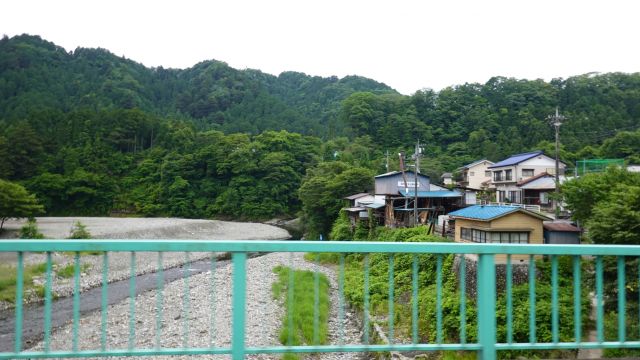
(209, 313)
(131, 228)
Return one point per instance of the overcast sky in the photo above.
(409, 45)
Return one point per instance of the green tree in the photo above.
(586, 192)
(16, 202)
(616, 220)
(323, 189)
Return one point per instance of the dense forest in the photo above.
(91, 133)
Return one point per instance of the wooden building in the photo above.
(399, 191)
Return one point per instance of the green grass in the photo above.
(67, 271)
(8, 281)
(302, 308)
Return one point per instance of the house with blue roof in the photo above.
(499, 224)
(508, 173)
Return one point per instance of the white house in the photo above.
(475, 174)
(506, 174)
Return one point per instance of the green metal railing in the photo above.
(486, 344)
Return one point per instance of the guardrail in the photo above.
(487, 343)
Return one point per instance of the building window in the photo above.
(544, 198)
(514, 196)
(478, 236)
(471, 173)
(507, 175)
(498, 237)
(527, 172)
(487, 173)
(465, 234)
(497, 176)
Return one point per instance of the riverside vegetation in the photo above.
(91, 133)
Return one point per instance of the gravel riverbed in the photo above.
(208, 309)
(130, 228)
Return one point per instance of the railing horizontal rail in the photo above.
(487, 340)
(314, 246)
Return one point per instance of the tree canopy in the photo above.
(16, 202)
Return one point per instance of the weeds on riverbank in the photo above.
(299, 302)
(8, 281)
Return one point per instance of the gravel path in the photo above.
(264, 314)
(132, 228)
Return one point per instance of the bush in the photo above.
(79, 231)
(30, 230)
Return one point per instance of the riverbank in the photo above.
(130, 228)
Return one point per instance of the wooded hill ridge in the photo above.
(91, 133)
(37, 75)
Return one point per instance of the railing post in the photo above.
(486, 275)
(239, 303)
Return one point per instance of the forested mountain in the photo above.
(37, 75)
(91, 133)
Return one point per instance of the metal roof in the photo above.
(432, 194)
(516, 159)
(490, 212)
(356, 196)
(474, 164)
(354, 209)
(407, 172)
(543, 183)
(560, 226)
(375, 205)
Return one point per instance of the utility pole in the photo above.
(387, 162)
(556, 121)
(416, 156)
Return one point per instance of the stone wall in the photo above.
(520, 274)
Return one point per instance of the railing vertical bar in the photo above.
(554, 300)
(599, 301)
(316, 301)
(439, 299)
(577, 306)
(341, 331)
(621, 299)
(290, 302)
(239, 304)
(414, 300)
(212, 332)
(366, 299)
(47, 304)
(186, 300)
(463, 299)
(19, 296)
(391, 301)
(104, 301)
(532, 299)
(159, 299)
(486, 292)
(132, 301)
(509, 292)
(76, 301)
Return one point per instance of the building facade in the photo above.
(475, 174)
(507, 173)
(499, 224)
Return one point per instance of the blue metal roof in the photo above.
(516, 159)
(485, 212)
(432, 194)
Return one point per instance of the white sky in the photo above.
(408, 45)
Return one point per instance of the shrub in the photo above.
(79, 231)
(30, 230)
